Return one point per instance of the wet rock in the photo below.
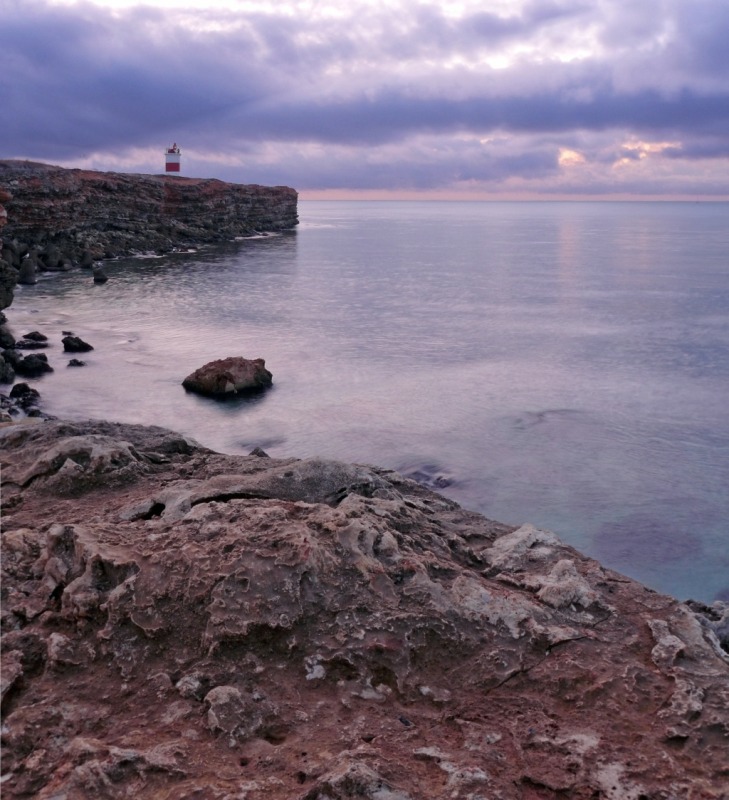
(32, 341)
(35, 336)
(75, 344)
(75, 362)
(32, 366)
(7, 372)
(229, 377)
(100, 275)
(7, 340)
(8, 280)
(24, 395)
(28, 272)
(51, 257)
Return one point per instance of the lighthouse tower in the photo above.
(172, 159)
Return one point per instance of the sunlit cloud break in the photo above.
(537, 99)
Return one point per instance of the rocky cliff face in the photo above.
(107, 213)
(183, 624)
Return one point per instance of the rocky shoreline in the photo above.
(54, 219)
(64, 217)
(183, 624)
(186, 625)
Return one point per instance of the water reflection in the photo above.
(536, 362)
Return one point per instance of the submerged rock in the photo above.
(181, 623)
(229, 377)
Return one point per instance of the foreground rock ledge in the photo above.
(184, 624)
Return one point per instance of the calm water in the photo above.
(560, 363)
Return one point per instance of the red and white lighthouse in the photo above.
(172, 158)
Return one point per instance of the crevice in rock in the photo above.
(156, 510)
(225, 497)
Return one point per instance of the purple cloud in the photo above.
(83, 84)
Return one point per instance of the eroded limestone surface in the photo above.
(183, 624)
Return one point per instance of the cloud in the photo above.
(361, 97)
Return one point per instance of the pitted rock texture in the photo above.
(182, 624)
(72, 212)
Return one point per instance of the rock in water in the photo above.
(32, 366)
(74, 344)
(28, 272)
(229, 377)
(25, 396)
(179, 623)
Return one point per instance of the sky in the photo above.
(469, 99)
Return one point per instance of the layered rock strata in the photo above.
(183, 624)
(79, 215)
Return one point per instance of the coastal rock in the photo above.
(28, 272)
(7, 340)
(100, 275)
(32, 341)
(25, 396)
(8, 281)
(7, 371)
(51, 257)
(74, 215)
(75, 344)
(5, 196)
(32, 366)
(228, 377)
(182, 623)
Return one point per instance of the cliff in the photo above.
(182, 624)
(110, 214)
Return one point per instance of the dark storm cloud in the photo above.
(80, 79)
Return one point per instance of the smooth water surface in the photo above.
(565, 364)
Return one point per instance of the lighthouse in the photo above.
(172, 158)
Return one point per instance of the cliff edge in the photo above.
(182, 624)
(111, 214)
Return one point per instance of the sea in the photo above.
(559, 363)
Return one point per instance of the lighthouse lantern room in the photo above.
(172, 159)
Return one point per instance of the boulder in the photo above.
(99, 275)
(75, 344)
(7, 340)
(228, 377)
(32, 341)
(28, 272)
(35, 336)
(51, 257)
(33, 366)
(7, 373)
(25, 396)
